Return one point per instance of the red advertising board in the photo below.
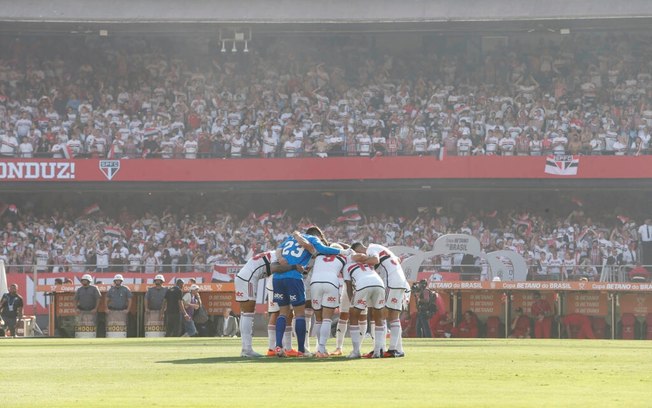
(335, 168)
(587, 303)
(483, 303)
(639, 304)
(526, 299)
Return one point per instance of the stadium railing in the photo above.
(601, 273)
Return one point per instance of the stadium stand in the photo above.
(189, 234)
(169, 98)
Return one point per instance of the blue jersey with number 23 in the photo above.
(295, 254)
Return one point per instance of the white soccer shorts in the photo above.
(324, 295)
(394, 298)
(371, 296)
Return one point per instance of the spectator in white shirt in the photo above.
(292, 147)
(25, 149)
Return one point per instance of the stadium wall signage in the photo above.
(332, 168)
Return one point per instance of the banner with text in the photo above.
(638, 304)
(587, 303)
(332, 168)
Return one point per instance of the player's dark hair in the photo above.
(317, 232)
(356, 245)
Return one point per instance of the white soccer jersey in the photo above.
(23, 126)
(327, 268)
(420, 143)
(389, 269)
(364, 144)
(26, 150)
(257, 267)
(362, 276)
(507, 146)
(236, 146)
(292, 148)
(491, 145)
(102, 258)
(42, 258)
(167, 149)
(190, 149)
(464, 146)
(269, 144)
(536, 146)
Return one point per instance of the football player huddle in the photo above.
(303, 278)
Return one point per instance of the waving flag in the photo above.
(67, 151)
(623, 219)
(577, 202)
(92, 209)
(350, 209)
(349, 218)
(279, 215)
(114, 232)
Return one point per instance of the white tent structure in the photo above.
(3, 279)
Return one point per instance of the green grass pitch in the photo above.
(200, 372)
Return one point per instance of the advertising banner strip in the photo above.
(311, 169)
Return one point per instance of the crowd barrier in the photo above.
(216, 297)
(623, 309)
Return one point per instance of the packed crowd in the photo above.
(555, 247)
(139, 98)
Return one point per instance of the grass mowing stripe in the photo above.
(208, 372)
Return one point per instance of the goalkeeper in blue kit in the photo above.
(296, 251)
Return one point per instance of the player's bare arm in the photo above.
(366, 259)
(277, 267)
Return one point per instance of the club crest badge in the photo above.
(109, 168)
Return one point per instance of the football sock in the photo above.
(280, 330)
(341, 332)
(354, 330)
(324, 334)
(309, 313)
(287, 338)
(394, 333)
(271, 337)
(317, 330)
(300, 324)
(246, 329)
(379, 339)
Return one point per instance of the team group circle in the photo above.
(305, 272)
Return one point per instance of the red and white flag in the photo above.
(91, 209)
(562, 164)
(623, 219)
(114, 232)
(349, 218)
(353, 208)
(279, 215)
(263, 217)
(67, 151)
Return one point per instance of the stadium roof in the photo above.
(326, 15)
